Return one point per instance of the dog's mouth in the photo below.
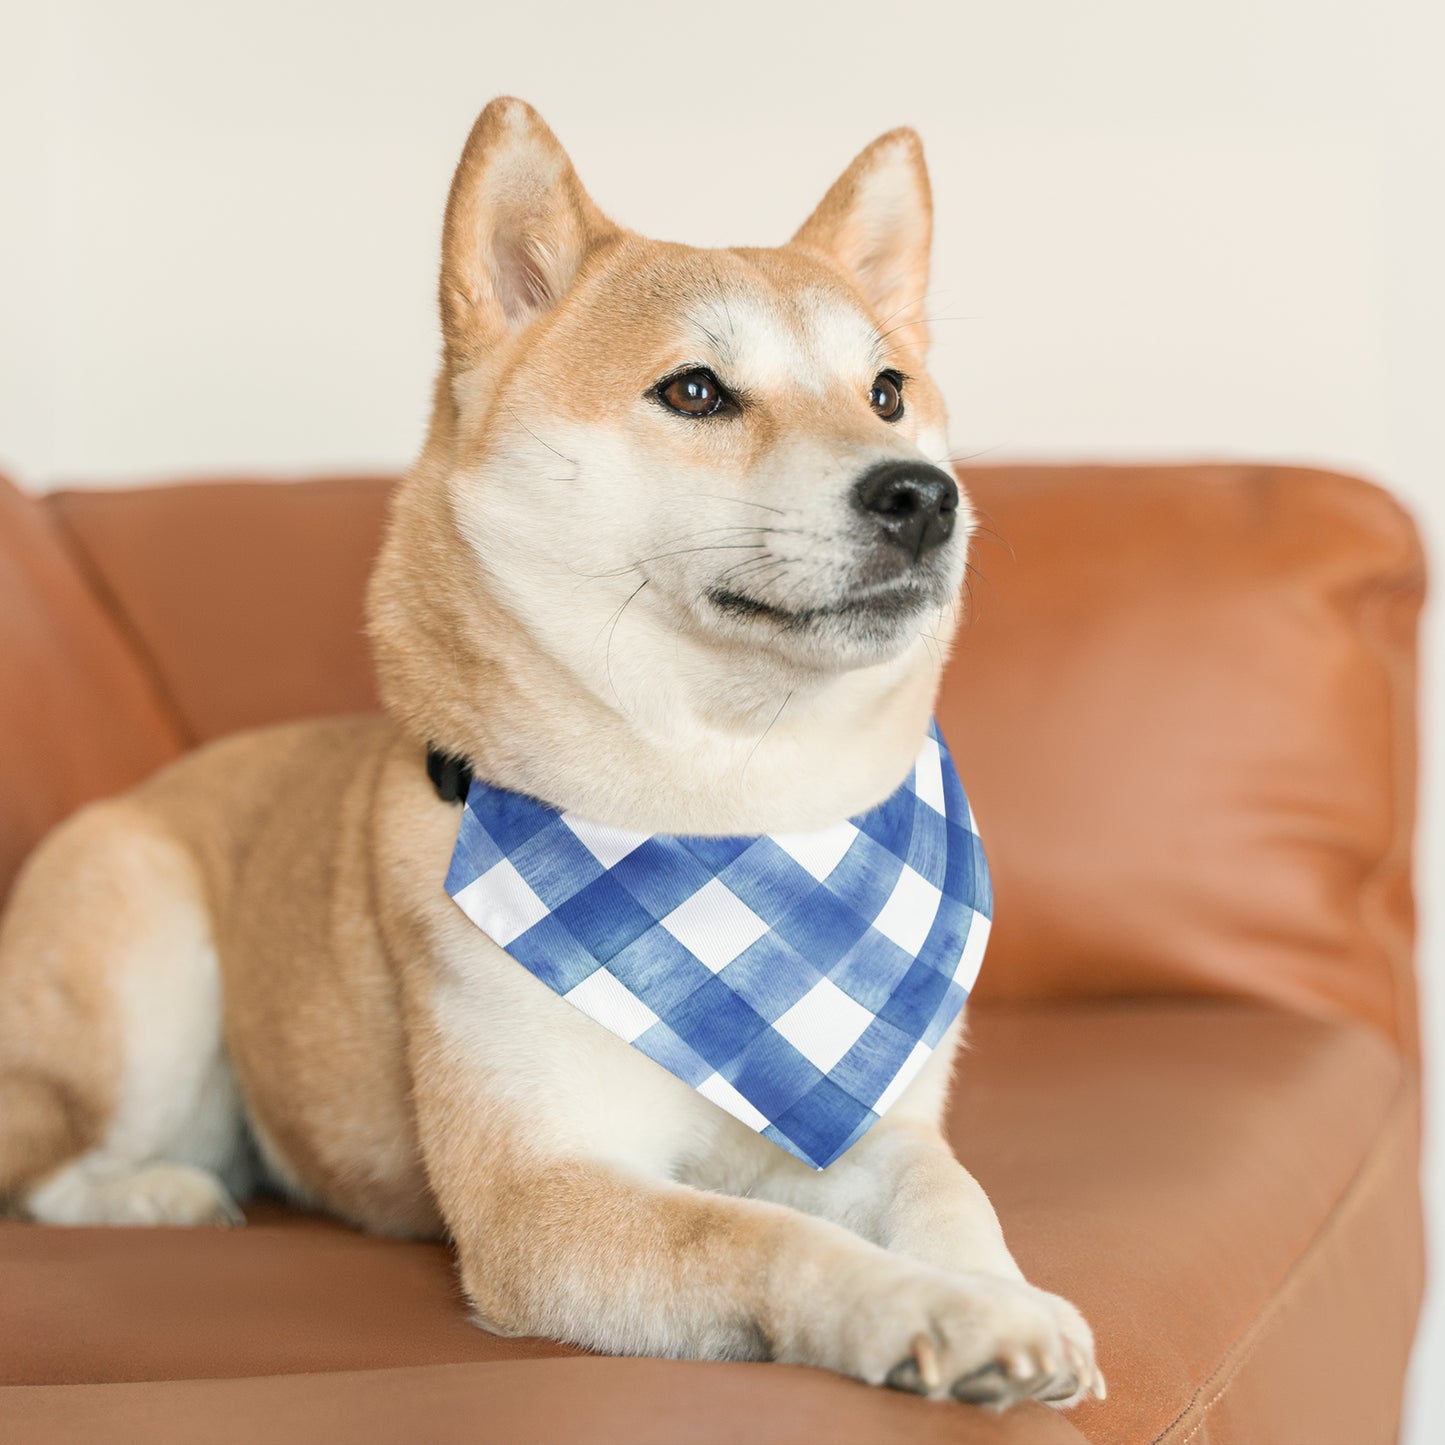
(889, 604)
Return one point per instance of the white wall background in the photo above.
(1164, 228)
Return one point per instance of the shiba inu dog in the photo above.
(676, 556)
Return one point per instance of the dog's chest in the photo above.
(568, 1084)
(795, 982)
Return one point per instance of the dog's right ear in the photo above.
(518, 227)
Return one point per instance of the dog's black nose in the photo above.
(914, 504)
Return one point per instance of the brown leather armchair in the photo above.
(1184, 709)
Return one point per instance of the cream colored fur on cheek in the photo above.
(606, 569)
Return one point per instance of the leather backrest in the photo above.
(1184, 710)
(79, 715)
(247, 596)
(1183, 705)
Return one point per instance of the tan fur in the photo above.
(546, 604)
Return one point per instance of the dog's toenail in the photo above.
(1020, 1365)
(926, 1356)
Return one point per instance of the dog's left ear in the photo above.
(877, 223)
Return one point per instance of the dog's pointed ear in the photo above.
(518, 227)
(877, 223)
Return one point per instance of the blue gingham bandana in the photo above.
(797, 980)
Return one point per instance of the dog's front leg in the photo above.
(620, 1260)
(901, 1188)
(900, 1185)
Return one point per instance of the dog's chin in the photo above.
(867, 626)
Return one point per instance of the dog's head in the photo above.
(665, 463)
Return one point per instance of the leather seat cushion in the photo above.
(1226, 1191)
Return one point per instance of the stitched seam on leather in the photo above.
(124, 623)
(1403, 580)
(1401, 684)
(1298, 1274)
(1242, 1351)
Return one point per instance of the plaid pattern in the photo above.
(799, 981)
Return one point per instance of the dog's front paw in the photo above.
(979, 1338)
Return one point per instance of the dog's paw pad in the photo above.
(1061, 1391)
(988, 1386)
(905, 1376)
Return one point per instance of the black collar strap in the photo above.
(450, 775)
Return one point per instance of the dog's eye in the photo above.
(886, 398)
(694, 393)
